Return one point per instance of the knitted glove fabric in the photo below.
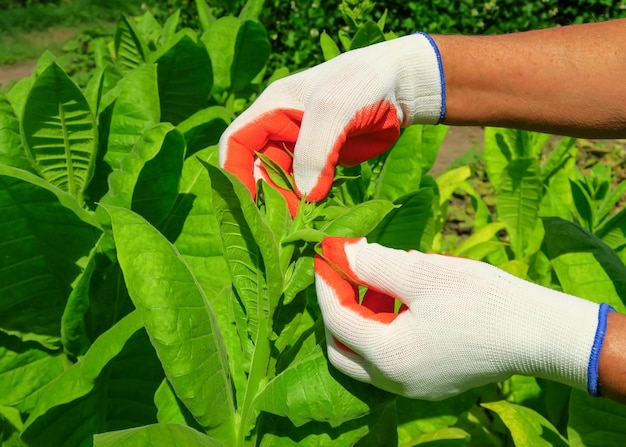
(345, 110)
(463, 324)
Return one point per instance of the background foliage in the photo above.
(293, 26)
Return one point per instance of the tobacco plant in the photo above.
(147, 300)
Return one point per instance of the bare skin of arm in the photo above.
(566, 81)
(612, 364)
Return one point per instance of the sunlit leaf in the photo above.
(252, 50)
(204, 128)
(179, 320)
(60, 131)
(147, 180)
(308, 390)
(192, 227)
(219, 40)
(528, 428)
(518, 200)
(111, 388)
(25, 368)
(586, 266)
(595, 422)
(45, 237)
(135, 110)
(185, 79)
(130, 48)
(368, 34)
(359, 220)
(156, 435)
(409, 226)
(329, 47)
(11, 149)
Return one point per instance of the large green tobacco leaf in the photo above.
(150, 29)
(205, 15)
(411, 156)
(25, 368)
(136, 109)
(156, 435)
(45, 237)
(595, 422)
(73, 329)
(252, 49)
(501, 146)
(417, 418)
(360, 219)
(11, 149)
(147, 180)
(586, 266)
(185, 78)
(310, 390)
(410, 226)
(179, 320)
(110, 388)
(170, 409)
(156, 189)
(60, 131)
(220, 39)
(329, 47)
(402, 170)
(498, 151)
(251, 10)
(252, 255)
(204, 128)
(368, 34)
(528, 428)
(193, 228)
(249, 247)
(130, 49)
(613, 233)
(517, 202)
(170, 26)
(313, 404)
(373, 430)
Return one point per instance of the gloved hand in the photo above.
(463, 324)
(346, 110)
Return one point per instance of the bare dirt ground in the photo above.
(17, 71)
(34, 43)
(457, 141)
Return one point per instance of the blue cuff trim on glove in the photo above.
(592, 371)
(441, 76)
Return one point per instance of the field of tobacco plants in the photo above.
(147, 300)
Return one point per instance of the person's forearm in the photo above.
(612, 364)
(567, 80)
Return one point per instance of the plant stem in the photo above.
(258, 371)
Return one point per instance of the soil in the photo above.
(53, 38)
(16, 71)
(458, 140)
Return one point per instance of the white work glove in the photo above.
(463, 324)
(346, 111)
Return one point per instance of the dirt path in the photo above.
(33, 44)
(15, 72)
(458, 140)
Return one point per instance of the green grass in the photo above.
(25, 33)
(39, 17)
